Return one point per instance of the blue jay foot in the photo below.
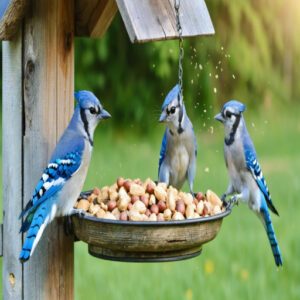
(223, 199)
(234, 200)
(79, 212)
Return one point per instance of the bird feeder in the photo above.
(38, 86)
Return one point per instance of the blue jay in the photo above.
(177, 161)
(63, 178)
(246, 178)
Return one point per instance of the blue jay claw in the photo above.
(234, 201)
(223, 199)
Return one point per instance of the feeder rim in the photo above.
(155, 223)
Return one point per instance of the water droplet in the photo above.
(233, 76)
(222, 48)
(153, 66)
(192, 81)
(215, 90)
(204, 110)
(211, 129)
(206, 170)
(209, 74)
(252, 124)
(200, 67)
(216, 76)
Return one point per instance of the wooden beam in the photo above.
(93, 17)
(48, 104)
(12, 160)
(11, 15)
(151, 20)
(38, 98)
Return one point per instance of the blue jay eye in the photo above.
(173, 109)
(228, 114)
(93, 110)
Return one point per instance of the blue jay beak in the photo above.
(162, 117)
(219, 117)
(104, 115)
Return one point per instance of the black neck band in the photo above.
(86, 125)
(229, 141)
(180, 129)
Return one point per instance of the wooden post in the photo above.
(38, 85)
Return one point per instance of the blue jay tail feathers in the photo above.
(272, 238)
(35, 223)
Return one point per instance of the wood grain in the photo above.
(12, 160)
(12, 18)
(93, 17)
(150, 20)
(48, 102)
(139, 242)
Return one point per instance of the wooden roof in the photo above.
(145, 20)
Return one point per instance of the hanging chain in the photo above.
(181, 50)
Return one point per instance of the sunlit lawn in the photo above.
(238, 264)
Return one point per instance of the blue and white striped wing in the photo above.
(254, 167)
(163, 150)
(52, 181)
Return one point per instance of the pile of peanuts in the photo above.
(135, 200)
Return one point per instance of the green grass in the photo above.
(238, 264)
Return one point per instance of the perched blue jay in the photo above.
(63, 178)
(177, 161)
(246, 178)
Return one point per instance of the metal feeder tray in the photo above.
(145, 241)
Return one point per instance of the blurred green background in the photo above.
(254, 57)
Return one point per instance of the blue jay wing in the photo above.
(163, 150)
(52, 181)
(254, 167)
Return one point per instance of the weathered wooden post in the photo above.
(38, 86)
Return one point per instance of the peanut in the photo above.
(152, 200)
(100, 213)
(213, 198)
(108, 215)
(200, 207)
(124, 199)
(167, 214)
(135, 216)
(160, 217)
(83, 204)
(153, 217)
(136, 189)
(177, 216)
(160, 193)
(171, 203)
(139, 206)
(189, 212)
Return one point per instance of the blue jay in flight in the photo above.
(63, 178)
(177, 161)
(246, 178)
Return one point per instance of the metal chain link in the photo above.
(181, 50)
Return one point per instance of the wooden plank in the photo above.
(102, 17)
(93, 17)
(48, 102)
(11, 14)
(150, 20)
(12, 167)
